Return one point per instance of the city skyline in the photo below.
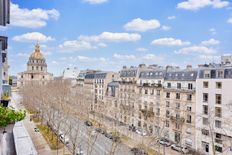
(108, 34)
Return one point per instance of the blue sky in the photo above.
(107, 34)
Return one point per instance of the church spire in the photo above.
(37, 47)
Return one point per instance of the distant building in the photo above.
(71, 73)
(36, 69)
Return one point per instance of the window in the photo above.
(32, 77)
(205, 109)
(152, 92)
(190, 86)
(178, 96)
(169, 85)
(146, 91)
(205, 84)
(205, 121)
(167, 95)
(167, 104)
(189, 97)
(219, 74)
(205, 132)
(178, 85)
(167, 113)
(32, 67)
(140, 107)
(177, 116)
(218, 148)
(177, 105)
(218, 112)
(218, 98)
(218, 124)
(158, 111)
(189, 108)
(167, 123)
(158, 92)
(41, 68)
(218, 85)
(21, 76)
(205, 97)
(189, 119)
(205, 146)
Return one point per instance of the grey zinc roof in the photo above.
(213, 72)
(182, 75)
(100, 75)
(152, 74)
(128, 72)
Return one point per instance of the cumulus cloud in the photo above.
(141, 25)
(124, 57)
(210, 42)
(213, 31)
(170, 42)
(198, 4)
(152, 57)
(75, 45)
(35, 18)
(229, 20)
(112, 37)
(141, 49)
(171, 17)
(33, 36)
(95, 1)
(196, 50)
(165, 28)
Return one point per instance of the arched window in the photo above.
(32, 76)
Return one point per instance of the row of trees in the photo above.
(63, 107)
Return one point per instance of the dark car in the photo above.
(132, 128)
(88, 123)
(139, 151)
(98, 130)
(109, 135)
(103, 131)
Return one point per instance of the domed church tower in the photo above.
(36, 69)
(37, 62)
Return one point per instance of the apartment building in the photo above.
(214, 108)
(148, 104)
(4, 12)
(179, 98)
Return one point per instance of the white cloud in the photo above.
(141, 25)
(152, 57)
(141, 49)
(213, 31)
(124, 57)
(22, 55)
(229, 20)
(165, 28)
(210, 58)
(35, 18)
(210, 42)
(95, 1)
(75, 45)
(196, 49)
(198, 4)
(33, 36)
(170, 42)
(112, 37)
(171, 17)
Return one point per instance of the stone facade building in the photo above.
(36, 69)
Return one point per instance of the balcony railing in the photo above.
(155, 85)
(180, 89)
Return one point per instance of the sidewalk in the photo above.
(40, 143)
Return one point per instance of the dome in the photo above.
(37, 54)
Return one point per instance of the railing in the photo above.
(179, 89)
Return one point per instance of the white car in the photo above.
(179, 148)
(141, 132)
(64, 139)
(80, 151)
(164, 141)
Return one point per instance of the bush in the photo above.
(10, 115)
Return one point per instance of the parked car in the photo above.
(179, 148)
(132, 128)
(60, 133)
(164, 141)
(88, 123)
(109, 135)
(103, 131)
(64, 139)
(98, 130)
(139, 151)
(80, 151)
(141, 132)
